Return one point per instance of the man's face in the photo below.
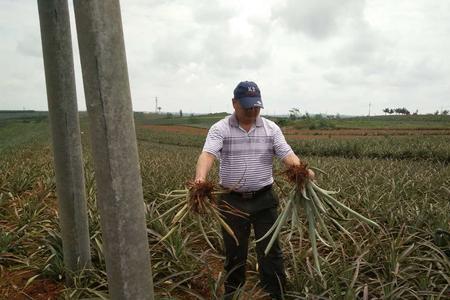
(245, 115)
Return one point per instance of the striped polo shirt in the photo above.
(246, 158)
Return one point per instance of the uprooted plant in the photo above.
(318, 204)
(199, 199)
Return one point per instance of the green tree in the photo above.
(294, 113)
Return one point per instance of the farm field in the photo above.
(396, 174)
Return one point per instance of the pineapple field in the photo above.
(399, 177)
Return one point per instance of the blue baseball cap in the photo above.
(248, 94)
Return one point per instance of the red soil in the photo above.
(359, 133)
(292, 133)
(13, 285)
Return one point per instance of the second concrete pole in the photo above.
(116, 162)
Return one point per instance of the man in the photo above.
(245, 144)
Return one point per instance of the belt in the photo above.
(250, 195)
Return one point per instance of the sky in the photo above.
(344, 57)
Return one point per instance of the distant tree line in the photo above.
(17, 111)
(404, 111)
(400, 111)
(444, 112)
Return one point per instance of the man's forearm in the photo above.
(291, 160)
(204, 164)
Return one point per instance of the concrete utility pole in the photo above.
(116, 163)
(65, 128)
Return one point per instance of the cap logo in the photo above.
(251, 92)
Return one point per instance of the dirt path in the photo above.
(292, 133)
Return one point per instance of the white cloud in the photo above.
(319, 55)
(29, 44)
(320, 19)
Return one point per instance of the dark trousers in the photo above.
(262, 210)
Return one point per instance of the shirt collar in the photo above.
(234, 122)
